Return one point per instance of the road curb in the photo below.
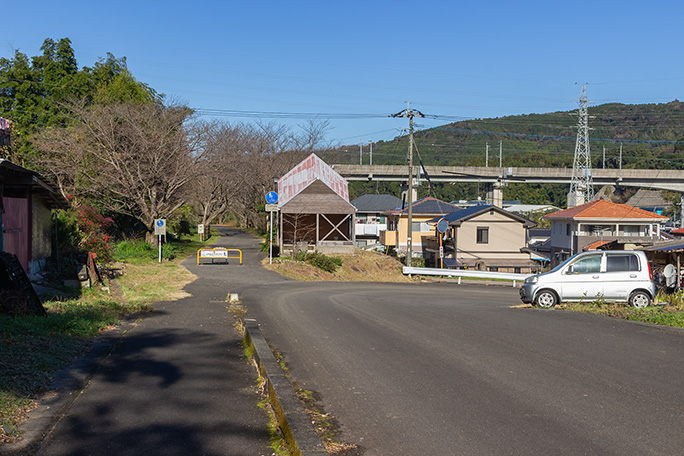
(293, 420)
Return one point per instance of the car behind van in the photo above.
(618, 275)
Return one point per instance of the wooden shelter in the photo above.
(26, 199)
(314, 208)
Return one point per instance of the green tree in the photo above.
(35, 92)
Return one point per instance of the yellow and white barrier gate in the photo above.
(219, 253)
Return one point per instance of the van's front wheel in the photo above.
(546, 299)
(639, 299)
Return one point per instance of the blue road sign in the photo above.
(271, 197)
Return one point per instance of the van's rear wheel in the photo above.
(546, 299)
(639, 299)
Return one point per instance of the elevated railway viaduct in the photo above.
(495, 178)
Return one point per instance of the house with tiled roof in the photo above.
(369, 219)
(423, 210)
(576, 228)
(679, 232)
(485, 238)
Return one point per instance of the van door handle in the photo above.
(632, 276)
(595, 277)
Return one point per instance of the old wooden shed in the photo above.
(314, 208)
(26, 199)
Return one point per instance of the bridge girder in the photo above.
(644, 178)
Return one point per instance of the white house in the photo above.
(573, 229)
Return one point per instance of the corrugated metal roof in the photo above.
(667, 248)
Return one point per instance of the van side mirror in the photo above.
(569, 270)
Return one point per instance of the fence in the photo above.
(460, 273)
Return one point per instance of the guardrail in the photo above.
(460, 273)
(220, 253)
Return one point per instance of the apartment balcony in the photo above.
(369, 229)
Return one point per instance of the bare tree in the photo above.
(312, 136)
(220, 175)
(240, 163)
(132, 158)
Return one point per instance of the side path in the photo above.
(178, 382)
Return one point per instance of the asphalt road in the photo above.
(447, 369)
(177, 382)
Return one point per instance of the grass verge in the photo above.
(324, 423)
(668, 310)
(33, 348)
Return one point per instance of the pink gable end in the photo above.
(301, 176)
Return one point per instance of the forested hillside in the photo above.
(651, 136)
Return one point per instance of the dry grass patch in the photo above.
(150, 282)
(360, 266)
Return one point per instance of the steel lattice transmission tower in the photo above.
(581, 185)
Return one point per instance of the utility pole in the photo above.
(620, 155)
(360, 154)
(408, 112)
(371, 152)
(500, 154)
(604, 157)
(487, 155)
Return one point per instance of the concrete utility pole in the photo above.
(360, 154)
(500, 154)
(487, 155)
(410, 114)
(581, 185)
(620, 156)
(371, 152)
(604, 157)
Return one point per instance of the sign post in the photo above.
(442, 227)
(200, 231)
(160, 230)
(271, 199)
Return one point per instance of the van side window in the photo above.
(587, 265)
(622, 263)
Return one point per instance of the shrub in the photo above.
(276, 248)
(128, 250)
(321, 261)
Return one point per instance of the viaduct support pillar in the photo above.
(495, 193)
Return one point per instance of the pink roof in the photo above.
(312, 168)
(604, 209)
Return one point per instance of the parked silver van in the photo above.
(617, 275)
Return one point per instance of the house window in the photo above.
(633, 230)
(567, 229)
(483, 235)
(420, 227)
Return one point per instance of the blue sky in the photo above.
(452, 59)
